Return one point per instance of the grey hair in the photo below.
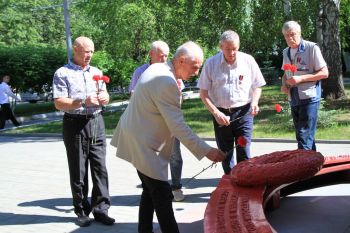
(229, 35)
(159, 44)
(190, 50)
(291, 25)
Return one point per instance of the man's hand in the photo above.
(255, 109)
(221, 118)
(294, 80)
(103, 97)
(215, 155)
(285, 89)
(91, 101)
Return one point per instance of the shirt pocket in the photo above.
(307, 90)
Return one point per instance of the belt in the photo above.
(82, 116)
(232, 110)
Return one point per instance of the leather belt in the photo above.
(232, 110)
(82, 116)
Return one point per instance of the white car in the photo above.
(31, 97)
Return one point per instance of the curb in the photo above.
(272, 140)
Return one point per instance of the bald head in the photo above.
(159, 52)
(190, 50)
(83, 41)
(83, 50)
(188, 59)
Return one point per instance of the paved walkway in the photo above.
(35, 194)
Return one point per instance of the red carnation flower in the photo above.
(105, 79)
(278, 108)
(286, 67)
(293, 68)
(96, 78)
(241, 141)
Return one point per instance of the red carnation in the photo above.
(241, 141)
(286, 67)
(105, 79)
(293, 68)
(278, 108)
(96, 78)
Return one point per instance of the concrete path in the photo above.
(35, 194)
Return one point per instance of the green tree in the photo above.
(30, 66)
(329, 38)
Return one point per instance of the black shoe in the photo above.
(83, 221)
(104, 219)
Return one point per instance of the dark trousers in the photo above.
(7, 113)
(78, 135)
(226, 136)
(156, 196)
(305, 122)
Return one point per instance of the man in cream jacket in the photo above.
(145, 133)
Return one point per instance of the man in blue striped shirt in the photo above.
(78, 92)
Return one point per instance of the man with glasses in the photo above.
(303, 85)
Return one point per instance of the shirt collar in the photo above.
(77, 67)
(223, 61)
(301, 47)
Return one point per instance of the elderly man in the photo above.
(230, 87)
(158, 54)
(76, 93)
(303, 87)
(145, 134)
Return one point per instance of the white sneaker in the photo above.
(178, 195)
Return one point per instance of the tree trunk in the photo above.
(328, 36)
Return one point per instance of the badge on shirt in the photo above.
(240, 78)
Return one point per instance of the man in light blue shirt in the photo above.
(158, 54)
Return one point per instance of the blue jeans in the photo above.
(305, 122)
(226, 136)
(176, 166)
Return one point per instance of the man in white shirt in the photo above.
(230, 87)
(6, 111)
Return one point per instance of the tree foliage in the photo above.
(123, 29)
(30, 66)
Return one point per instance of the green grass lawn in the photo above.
(333, 124)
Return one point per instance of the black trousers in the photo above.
(78, 135)
(156, 196)
(7, 113)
